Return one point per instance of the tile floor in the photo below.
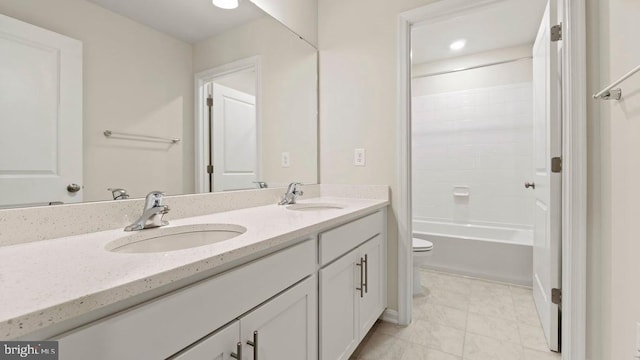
(462, 318)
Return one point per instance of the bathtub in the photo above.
(488, 252)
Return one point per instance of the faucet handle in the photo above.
(118, 193)
(154, 199)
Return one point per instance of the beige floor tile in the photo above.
(383, 347)
(494, 327)
(527, 315)
(520, 290)
(493, 306)
(445, 297)
(541, 355)
(477, 347)
(401, 332)
(451, 283)
(437, 337)
(419, 352)
(462, 318)
(532, 337)
(492, 289)
(440, 314)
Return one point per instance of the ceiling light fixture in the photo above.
(225, 4)
(457, 45)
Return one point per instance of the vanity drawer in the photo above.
(336, 242)
(160, 328)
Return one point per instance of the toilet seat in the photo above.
(421, 245)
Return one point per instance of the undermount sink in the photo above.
(314, 207)
(175, 238)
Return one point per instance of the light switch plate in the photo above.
(286, 159)
(359, 157)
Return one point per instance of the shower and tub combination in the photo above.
(472, 151)
(490, 252)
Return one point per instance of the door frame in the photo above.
(202, 122)
(574, 155)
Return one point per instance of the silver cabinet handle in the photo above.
(254, 343)
(238, 354)
(366, 274)
(73, 188)
(361, 288)
(530, 185)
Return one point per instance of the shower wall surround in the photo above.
(476, 142)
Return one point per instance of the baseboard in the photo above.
(390, 315)
(478, 275)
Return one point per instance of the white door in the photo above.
(339, 300)
(285, 328)
(546, 145)
(372, 303)
(235, 136)
(40, 115)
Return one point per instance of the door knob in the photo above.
(530, 185)
(73, 188)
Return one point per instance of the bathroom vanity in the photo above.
(303, 282)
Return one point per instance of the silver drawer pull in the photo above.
(366, 274)
(238, 354)
(254, 343)
(361, 288)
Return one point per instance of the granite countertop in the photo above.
(47, 282)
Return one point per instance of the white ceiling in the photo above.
(505, 24)
(187, 20)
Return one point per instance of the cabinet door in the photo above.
(217, 346)
(339, 308)
(373, 302)
(285, 328)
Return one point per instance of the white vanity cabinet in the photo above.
(284, 328)
(317, 298)
(353, 287)
(165, 326)
(217, 346)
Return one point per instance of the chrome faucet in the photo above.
(152, 214)
(118, 194)
(292, 194)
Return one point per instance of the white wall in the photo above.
(358, 45)
(358, 78)
(473, 128)
(503, 74)
(614, 248)
(288, 71)
(480, 139)
(301, 16)
(135, 80)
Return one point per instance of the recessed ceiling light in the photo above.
(457, 45)
(226, 4)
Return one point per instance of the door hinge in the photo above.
(556, 164)
(556, 296)
(556, 32)
(209, 169)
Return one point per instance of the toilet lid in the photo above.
(422, 245)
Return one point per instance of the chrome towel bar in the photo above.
(609, 93)
(109, 133)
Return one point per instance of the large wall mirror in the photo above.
(110, 99)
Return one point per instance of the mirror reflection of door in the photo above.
(40, 116)
(234, 132)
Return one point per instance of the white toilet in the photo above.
(421, 251)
